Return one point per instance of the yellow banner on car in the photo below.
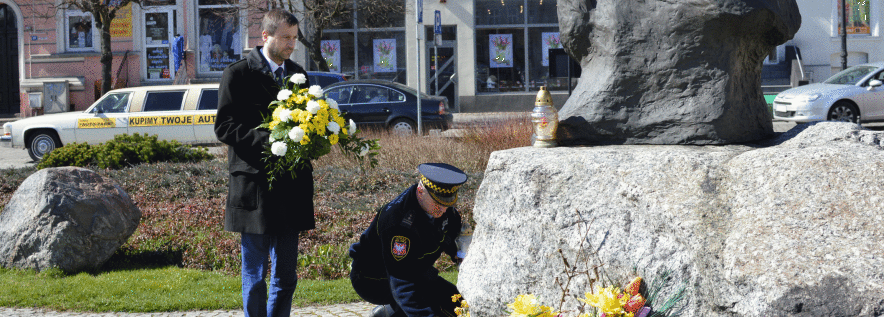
(152, 121)
(95, 123)
(204, 119)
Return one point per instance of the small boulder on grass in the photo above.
(68, 218)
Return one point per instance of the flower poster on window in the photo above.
(384, 55)
(500, 48)
(550, 41)
(331, 52)
(858, 16)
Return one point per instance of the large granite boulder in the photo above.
(69, 218)
(789, 227)
(670, 72)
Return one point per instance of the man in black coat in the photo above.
(393, 260)
(269, 221)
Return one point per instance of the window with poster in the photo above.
(220, 35)
(513, 39)
(80, 33)
(859, 17)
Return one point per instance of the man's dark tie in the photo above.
(279, 76)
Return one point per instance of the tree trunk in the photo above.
(314, 49)
(107, 56)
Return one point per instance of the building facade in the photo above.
(491, 55)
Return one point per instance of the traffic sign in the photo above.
(437, 24)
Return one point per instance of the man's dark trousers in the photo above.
(378, 291)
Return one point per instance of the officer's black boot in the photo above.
(382, 311)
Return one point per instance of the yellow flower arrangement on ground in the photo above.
(304, 126)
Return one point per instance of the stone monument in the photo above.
(69, 218)
(670, 72)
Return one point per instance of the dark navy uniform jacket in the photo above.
(402, 244)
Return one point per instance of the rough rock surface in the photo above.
(792, 226)
(670, 72)
(69, 218)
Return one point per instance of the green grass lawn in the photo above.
(152, 290)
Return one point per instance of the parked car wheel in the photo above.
(843, 111)
(403, 126)
(41, 143)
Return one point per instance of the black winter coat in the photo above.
(402, 244)
(247, 88)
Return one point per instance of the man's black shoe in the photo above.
(382, 311)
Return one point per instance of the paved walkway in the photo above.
(359, 309)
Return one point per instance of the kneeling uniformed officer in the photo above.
(393, 260)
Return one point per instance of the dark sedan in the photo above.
(388, 105)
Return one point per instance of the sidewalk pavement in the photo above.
(358, 309)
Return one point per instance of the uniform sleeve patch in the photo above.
(400, 247)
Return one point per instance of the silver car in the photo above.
(854, 94)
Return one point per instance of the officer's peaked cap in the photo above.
(442, 181)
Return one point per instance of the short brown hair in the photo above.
(276, 16)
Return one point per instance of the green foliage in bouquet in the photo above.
(304, 126)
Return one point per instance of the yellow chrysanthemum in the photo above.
(305, 140)
(333, 139)
(303, 91)
(526, 305)
(306, 127)
(274, 123)
(334, 112)
(607, 301)
(455, 297)
(344, 130)
(340, 121)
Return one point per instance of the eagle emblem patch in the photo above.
(400, 247)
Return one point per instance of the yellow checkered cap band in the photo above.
(443, 190)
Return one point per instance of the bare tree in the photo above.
(319, 15)
(103, 11)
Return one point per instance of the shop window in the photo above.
(500, 12)
(542, 11)
(543, 39)
(500, 60)
(80, 31)
(149, 3)
(380, 14)
(859, 18)
(382, 55)
(220, 39)
(339, 53)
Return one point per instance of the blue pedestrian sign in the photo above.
(437, 25)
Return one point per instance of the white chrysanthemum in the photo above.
(316, 91)
(296, 134)
(313, 106)
(334, 127)
(283, 94)
(285, 115)
(352, 126)
(278, 148)
(364, 150)
(332, 104)
(272, 138)
(298, 79)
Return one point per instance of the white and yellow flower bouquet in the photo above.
(304, 126)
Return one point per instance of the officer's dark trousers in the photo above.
(379, 292)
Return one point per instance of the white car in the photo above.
(854, 94)
(185, 113)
